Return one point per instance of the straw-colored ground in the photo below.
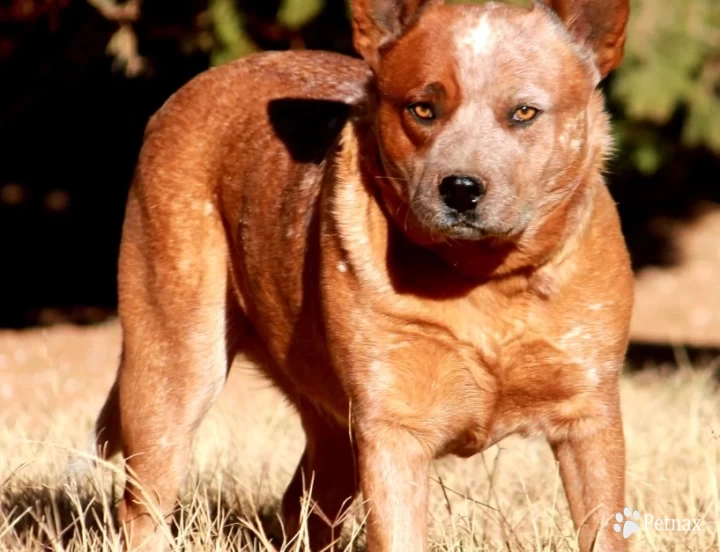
(52, 383)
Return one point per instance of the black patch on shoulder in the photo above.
(308, 127)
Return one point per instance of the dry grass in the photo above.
(52, 383)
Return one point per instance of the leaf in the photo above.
(703, 124)
(296, 13)
(230, 40)
(646, 157)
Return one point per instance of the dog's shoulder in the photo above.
(312, 74)
(243, 85)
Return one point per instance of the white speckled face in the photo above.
(504, 96)
(476, 39)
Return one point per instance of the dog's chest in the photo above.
(484, 369)
(544, 385)
(543, 375)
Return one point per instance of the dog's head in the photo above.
(488, 117)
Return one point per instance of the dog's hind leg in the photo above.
(327, 474)
(103, 441)
(177, 348)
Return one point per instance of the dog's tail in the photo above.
(103, 442)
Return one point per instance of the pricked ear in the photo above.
(376, 23)
(600, 25)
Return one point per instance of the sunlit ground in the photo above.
(510, 498)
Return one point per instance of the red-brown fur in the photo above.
(322, 249)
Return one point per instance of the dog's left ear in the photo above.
(376, 23)
(600, 25)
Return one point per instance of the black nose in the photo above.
(461, 192)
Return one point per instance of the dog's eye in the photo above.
(525, 113)
(422, 111)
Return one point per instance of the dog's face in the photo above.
(486, 115)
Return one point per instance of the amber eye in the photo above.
(525, 113)
(422, 111)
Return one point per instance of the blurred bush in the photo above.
(671, 69)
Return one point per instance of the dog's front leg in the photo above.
(593, 473)
(394, 476)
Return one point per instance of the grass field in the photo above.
(509, 498)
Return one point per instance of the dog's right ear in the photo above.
(599, 25)
(376, 23)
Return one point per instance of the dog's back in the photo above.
(228, 120)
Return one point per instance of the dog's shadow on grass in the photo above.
(39, 515)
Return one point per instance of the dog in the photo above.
(417, 247)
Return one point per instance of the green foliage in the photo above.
(295, 13)
(231, 42)
(672, 62)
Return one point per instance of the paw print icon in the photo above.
(626, 523)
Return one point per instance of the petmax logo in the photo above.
(628, 522)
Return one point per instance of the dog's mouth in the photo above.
(442, 224)
(468, 230)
